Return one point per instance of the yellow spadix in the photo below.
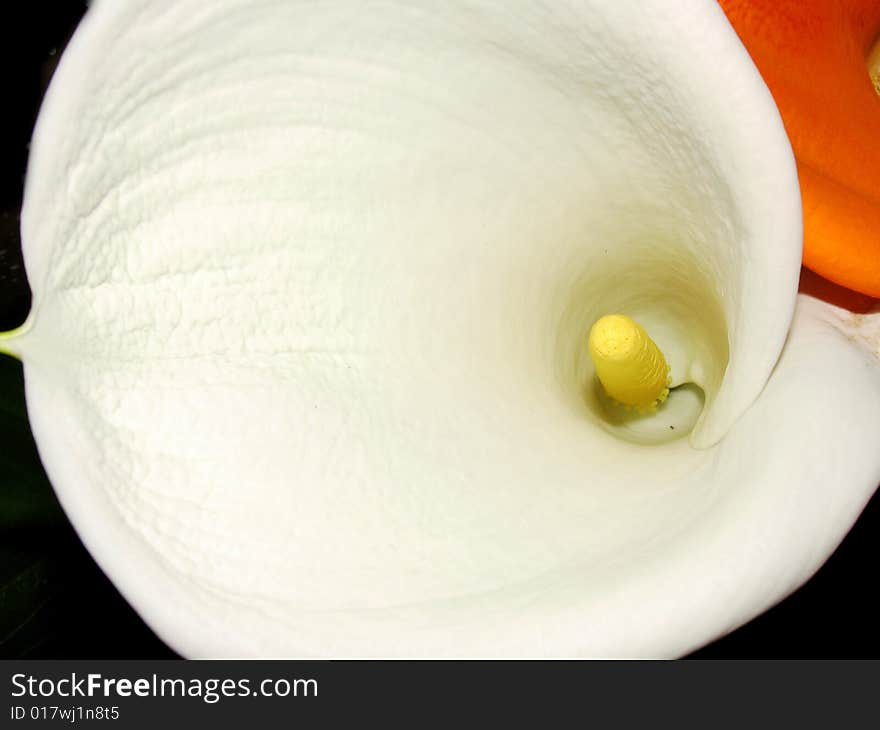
(628, 362)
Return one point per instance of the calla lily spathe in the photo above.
(312, 286)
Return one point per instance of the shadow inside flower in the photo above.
(820, 288)
(671, 420)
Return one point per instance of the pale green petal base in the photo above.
(10, 341)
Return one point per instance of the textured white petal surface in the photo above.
(310, 286)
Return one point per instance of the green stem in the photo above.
(6, 339)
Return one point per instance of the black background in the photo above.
(834, 616)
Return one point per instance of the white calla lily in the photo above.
(307, 362)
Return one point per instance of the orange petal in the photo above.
(813, 56)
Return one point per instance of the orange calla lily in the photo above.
(820, 60)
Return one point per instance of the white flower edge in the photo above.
(755, 262)
(679, 531)
(765, 538)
